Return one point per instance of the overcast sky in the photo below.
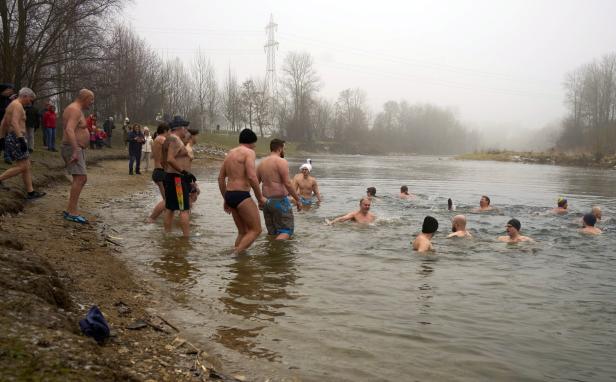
(497, 63)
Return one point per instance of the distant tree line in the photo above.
(591, 99)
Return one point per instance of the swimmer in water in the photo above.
(371, 192)
(561, 208)
(362, 216)
(306, 186)
(423, 241)
(458, 227)
(484, 205)
(596, 210)
(404, 193)
(588, 222)
(513, 233)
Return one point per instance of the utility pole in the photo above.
(270, 74)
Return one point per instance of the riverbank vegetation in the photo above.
(581, 159)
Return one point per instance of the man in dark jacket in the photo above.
(108, 126)
(33, 121)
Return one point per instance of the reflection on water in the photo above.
(354, 303)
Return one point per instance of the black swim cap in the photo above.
(430, 225)
(590, 219)
(515, 223)
(248, 136)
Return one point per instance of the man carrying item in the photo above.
(362, 216)
(588, 222)
(177, 178)
(273, 173)
(237, 176)
(423, 241)
(458, 227)
(307, 186)
(75, 139)
(13, 142)
(158, 175)
(513, 233)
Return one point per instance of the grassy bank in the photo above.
(228, 141)
(545, 157)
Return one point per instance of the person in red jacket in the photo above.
(49, 126)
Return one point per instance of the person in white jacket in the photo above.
(147, 149)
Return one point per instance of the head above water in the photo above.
(404, 190)
(514, 224)
(430, 225)
(458, 223)
(589, 220)
(449, 204)
(561, 202)
(484, 201)
(364, 204)
(371, 191)
(596, 210)
(248, 137)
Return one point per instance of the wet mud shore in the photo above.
(52, 271)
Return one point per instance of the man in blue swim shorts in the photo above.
(307, 186)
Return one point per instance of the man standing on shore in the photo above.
(237, 176)
(273, 172)
(177, 179)
(75, 139)
(13, 142)
(307, 186)
(158, 175)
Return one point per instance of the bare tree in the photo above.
(231, 101)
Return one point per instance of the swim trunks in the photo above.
(278, 215)
(306, 201)
(13, 149)
(177, 192)
(74, 168)
(234, 198)
(158, 175)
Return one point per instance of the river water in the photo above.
(353, 303)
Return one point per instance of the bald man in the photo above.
(458, 227)
(75, 139)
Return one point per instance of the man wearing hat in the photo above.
(513, 233)
(177, 178)
(306, 186)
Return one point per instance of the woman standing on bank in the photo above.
(135, 142)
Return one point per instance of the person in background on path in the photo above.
(75, 139)
(423, 241)
(458, 227)
(237, 176)
(100, 138)
(596, 210)
(484, 205)
(135, 142)
(33, 122)
(147, 148)
(561, 206)
(404, 193)
(588, 225)
(91, 123)
(371, 192)
(125, 130)
(108, 127)
(49, 126)
(306, 186)
(13, 142)
(513, 233)
(362, 216)
(158, 175)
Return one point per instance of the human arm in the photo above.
(222, 186)
(343, 218)
(251, 174)
(283, 171)
(315, 190)
(72, 121)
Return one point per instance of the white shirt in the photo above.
(147, 145)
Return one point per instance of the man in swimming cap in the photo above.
(237, 176)
(363, 215)
(596, 210)
(404, 193)
(273, 173)
(561, 208)
(371, 192)
(423, 241)
(484, 204)
(513, 233)
(588, 222)
(458, 227)
(306, 186)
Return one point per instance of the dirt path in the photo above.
(52, 271)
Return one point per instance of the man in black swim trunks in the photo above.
(237, 176)
(158, 175)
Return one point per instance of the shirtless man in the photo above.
(588, 222)
(484, 205)
(404, 193)
(362, 216)
(190, 140)
(177, 178)
(158, 175)
(273, 173)
(596, 210)
(561, 206)
(458, 227)
(75, 139)
(423, 241)
(13, 141)
(237, 176)
(306, 186)
(513, 233)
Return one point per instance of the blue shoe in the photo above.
(75, 218)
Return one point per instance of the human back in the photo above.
(235, 168)
(14, 120)
(269, 172)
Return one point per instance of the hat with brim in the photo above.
(178, 122)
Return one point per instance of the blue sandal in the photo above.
(75, 218)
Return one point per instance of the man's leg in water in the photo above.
(249, 214)
(160, 206)
(168, 220)
(241, 227)
(73, 197)
(185, 223)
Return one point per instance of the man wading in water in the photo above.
(363, 215)
(513, 233)
(158, 175)
(307, 186)
(273, 172)
(237, 176)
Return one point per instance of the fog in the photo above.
(499, 65)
